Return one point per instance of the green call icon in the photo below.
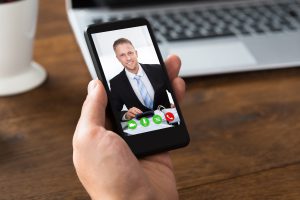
(144, 122)
(132, 124)
(157, 119)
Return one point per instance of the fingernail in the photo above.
(92, 85)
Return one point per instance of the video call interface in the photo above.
(139, 93)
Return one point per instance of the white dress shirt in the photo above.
(145, 81)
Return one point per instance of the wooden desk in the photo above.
(245, 130)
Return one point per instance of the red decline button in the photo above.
(169, 117)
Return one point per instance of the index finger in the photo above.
(173, 64)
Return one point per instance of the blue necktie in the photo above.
(144, 93)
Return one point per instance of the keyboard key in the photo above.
(293, 14)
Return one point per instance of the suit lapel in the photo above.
(155, 82)
(151, 77)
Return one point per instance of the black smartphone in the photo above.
(129, 64)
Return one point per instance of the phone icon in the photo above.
(157, 119)
(144, 122)
(169, 117)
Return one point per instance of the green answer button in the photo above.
(144, 122)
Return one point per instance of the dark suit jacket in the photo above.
(122, 92)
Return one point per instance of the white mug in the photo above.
(18, 73)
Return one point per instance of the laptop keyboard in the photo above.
(195, 23)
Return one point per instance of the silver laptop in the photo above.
(211, 37)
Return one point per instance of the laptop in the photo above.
(211, 37)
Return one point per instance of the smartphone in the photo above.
(129, 64)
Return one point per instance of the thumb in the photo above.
(93, 110)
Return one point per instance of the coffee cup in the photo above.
(18, 72)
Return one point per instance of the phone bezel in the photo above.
(149, 142)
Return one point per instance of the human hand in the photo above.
(132, 112)
(105, 164)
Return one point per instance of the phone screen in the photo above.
(139, 88)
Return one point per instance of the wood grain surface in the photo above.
(244, 128)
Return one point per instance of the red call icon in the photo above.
(169, 117)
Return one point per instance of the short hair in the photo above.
(121, 41)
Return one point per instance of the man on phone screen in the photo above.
(140, 87)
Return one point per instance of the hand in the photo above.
(105, 164)
(132, 112)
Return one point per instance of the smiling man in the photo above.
(140, 87)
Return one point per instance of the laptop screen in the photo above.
(119, 3)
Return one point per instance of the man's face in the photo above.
(127, 56)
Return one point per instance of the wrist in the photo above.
(126, 116)
(120, 197)
(137, 194)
